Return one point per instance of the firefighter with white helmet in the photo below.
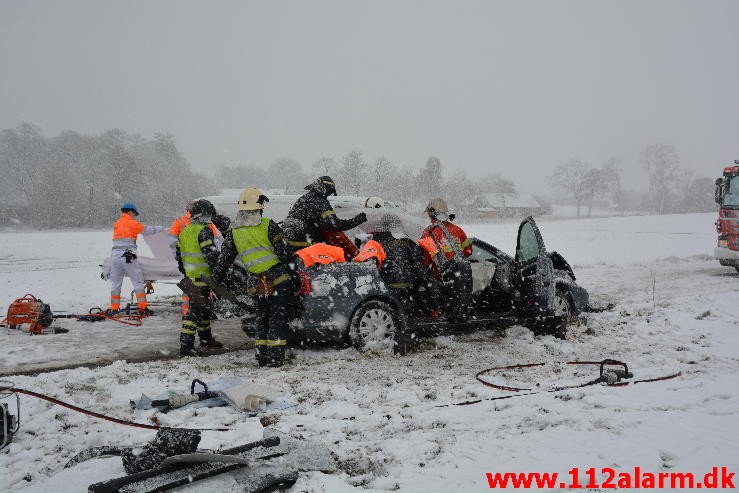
(447, 248)
(450, 236)
(258, 245)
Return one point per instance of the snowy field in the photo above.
(677, 310)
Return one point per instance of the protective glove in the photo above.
(361, 217)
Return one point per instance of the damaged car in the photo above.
(348, 302)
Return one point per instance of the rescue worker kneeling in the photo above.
(400, 261)
(197, 255)
(257, 244)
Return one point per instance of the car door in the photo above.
(534, 271)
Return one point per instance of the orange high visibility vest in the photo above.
(320, 253)
(127, 227)
(372, 249)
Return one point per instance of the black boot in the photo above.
(270, 356)
(187, 345)
(208, 341)
(277, 356)
(262, 355)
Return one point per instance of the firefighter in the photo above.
(174, 233)
(311, 217)
(179, 224)
(402, 268)
(447, 248)
(447, 234)
(196, 255)
(124, 260)
(257, 244)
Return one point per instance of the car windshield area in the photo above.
(528, 245)
(731, 192)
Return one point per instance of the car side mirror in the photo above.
(719, 193)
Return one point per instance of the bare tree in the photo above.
(575, 177)
(286, 173)
(699, 196)
(495, 183)
(240, 176)
(660, 160)
(402, 187)
(325, 166)
(459, 191)
(612, 183)
(383, 173)
(352, 172)
(24, 154)
(593, 182)
(429, 178)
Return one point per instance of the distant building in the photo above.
(507, 205)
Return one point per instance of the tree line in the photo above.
(76, 180)
(672, 189)
(355, 174)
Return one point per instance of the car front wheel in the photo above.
(562, 304)
(374, 326)
(562, 312)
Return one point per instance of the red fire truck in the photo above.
(727, 225)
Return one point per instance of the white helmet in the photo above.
(436, 207)
(374, 203)
(252, 199)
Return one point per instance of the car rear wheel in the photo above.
(374, 326)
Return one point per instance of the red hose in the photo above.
(103, 416)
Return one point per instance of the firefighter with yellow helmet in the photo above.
(257, 244)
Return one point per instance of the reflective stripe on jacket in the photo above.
(254, 250)
(461, 242)
(191, 251)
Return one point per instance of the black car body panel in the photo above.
(336, 291)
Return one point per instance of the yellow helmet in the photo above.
(252, 199)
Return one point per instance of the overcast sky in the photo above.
(509, 86)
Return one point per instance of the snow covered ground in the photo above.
(676, 310)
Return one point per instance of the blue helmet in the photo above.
(130, 206)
